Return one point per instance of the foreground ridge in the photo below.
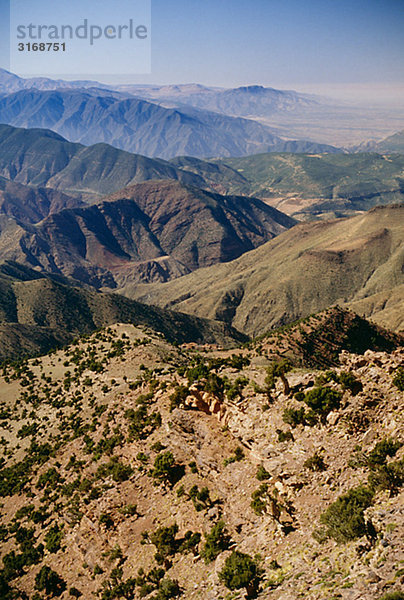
(136, 468)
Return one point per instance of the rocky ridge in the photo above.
(136, 435)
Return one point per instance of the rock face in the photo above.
(154, 231)
(96, 461)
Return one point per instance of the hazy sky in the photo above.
(284, 43)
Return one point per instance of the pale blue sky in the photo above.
(272, 42)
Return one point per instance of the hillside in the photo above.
(318, 340)
(247, 101)
(332, 185)
(126, 473)
(135, 125)
(393, 143)
(306, 186)
(42, 158)
(304, 270)
(30, 205)
(153, 231)
(38, 314)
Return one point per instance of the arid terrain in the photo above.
(134, 468)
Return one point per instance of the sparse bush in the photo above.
(315, 463)
(236, 457)
(323, 400)
(294, 416)
(241, 571)
(349, 382)
(344, 519)
(178, 396)
(398, 379)
(383, 449)
(388, 477)
(50, 582)
(284, 436)
(53, 538)
(106, 519)
(217, 540)
(164, 540)
(262, 474)
(117, 470)
(169, 588)
(166, 469)
(396, 595)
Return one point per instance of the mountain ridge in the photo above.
(307, 269)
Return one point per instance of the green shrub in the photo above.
(169, 588)
(349, 382)
(117, 470)
(383, 449)
(217, 540)
(178, 396)
(398, 379)
(396, 595)
(50, 582)
(106, 519)
(323, 400)
(262, 474)
(294, 416)
(315, 463)
(259, 499)
(344, 519)
(236, 457)
(164, 540)
(53, 538)
(166, 469)
(388, 477)
(284, 436)
(241, 571)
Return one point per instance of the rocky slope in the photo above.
(304, 270)
(117, 482)
(39, 313)
(154, 231)
(29, 204)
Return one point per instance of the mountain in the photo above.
(10, 83)
(29, 204)
(139, 126)
(38, 313)
(307, 186)
(43, 158)
(245, 101)
(393, 143)
(134, 468)
(302, 271)
(319, 339)
(153, 231)
(304, 186)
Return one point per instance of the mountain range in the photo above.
(301, 185)
(283, 114)
(354, 262)
(39, 313)
(139, 126)
(153, 231)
